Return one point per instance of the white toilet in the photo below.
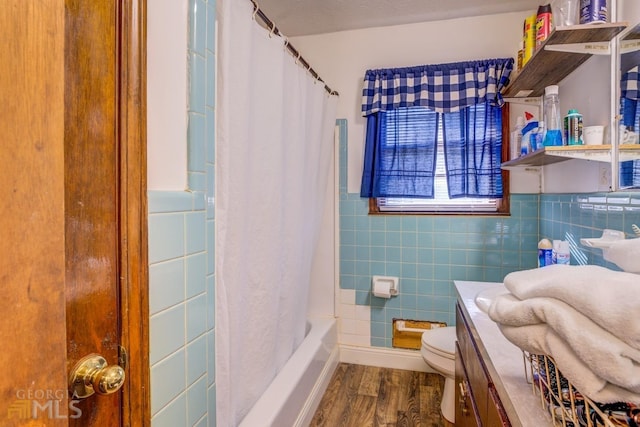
(438, 350)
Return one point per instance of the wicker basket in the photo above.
(567, 406)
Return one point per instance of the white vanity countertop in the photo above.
(503, 360)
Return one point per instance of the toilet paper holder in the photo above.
(384, 286)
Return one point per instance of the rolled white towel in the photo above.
(625, 254)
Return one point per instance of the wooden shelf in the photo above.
(549, 155)
(633, 34)
(547, 67)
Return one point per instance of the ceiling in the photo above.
(306, 17)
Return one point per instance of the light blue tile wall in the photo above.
(575, 216)
(181, 256)
(427, 253)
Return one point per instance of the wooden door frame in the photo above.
(134, 263)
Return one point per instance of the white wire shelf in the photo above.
(566, 406)
(550, 155)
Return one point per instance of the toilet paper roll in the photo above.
(384, 286)
(382, 289)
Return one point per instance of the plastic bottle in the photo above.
(544, 24)
(539, 136)
(552, 119)
(527, 131)
(529, 38)
(561, 253)
(525, 146)
(573, 128)
(545, 256)
(520, 61)
(516, 138)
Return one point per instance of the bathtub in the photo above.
(294, 394)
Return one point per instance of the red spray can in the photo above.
(544, 24)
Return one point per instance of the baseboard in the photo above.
(313, 401)
(384, 357)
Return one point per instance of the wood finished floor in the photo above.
(361, 396)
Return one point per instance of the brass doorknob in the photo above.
(92, 375)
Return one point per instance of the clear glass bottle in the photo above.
(552, 118)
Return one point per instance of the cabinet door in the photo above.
(466, 410)
(496, 415)
(475, 373)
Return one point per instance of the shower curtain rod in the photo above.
(271, 26)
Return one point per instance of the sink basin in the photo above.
(485, 297)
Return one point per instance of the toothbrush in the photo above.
(636, 229)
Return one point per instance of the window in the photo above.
(441, 202)
(405, 139)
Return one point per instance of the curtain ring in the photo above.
(255, 9)
(286, 43)
(297, 58)
(273, 27)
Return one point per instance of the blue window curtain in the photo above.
(400, 153)
(412, 101)
(473, 151)
(630, 93)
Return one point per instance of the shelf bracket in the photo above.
(524, 169)
(628, 46)
(592, 48)
(598, 156)
(533, 100)
(550, 155)
(625, 156)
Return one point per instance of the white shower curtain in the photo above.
(273, 150)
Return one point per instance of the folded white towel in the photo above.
(625, 254)
(601, 366)
(609, 298)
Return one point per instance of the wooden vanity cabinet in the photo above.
(466, 409)
(477, 401)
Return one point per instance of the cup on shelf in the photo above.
(628, 136)
(566, 12)
(593, 135)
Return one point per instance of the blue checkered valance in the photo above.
(629, 86)
(443, 88)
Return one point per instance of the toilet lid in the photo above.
(441, 341)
